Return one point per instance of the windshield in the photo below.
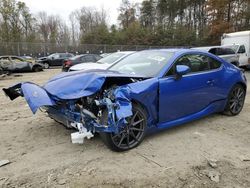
(55, 56)
(234, 47)
(111, 58)
(145, 63)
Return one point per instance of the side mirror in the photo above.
(52, 58)
(182, 70)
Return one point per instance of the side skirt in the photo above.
(214, 107)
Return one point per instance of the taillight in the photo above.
(68, 63)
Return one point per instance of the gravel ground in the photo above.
(211, 152)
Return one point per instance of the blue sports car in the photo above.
(147, 91)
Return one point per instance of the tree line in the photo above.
(152, 22)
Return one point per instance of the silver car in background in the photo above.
(103, 63)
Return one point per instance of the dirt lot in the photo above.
(41, 153)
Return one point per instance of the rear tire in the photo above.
(235, 100)
(131, 135)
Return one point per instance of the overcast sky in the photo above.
(64, 8)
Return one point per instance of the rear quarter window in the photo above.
(214, 64)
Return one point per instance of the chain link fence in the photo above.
(44, 49)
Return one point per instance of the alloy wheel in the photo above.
(132, 133)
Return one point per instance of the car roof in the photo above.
(173, 50)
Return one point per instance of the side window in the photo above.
(62, 56)
(220, 51)
(213, 51)
(196, 63)
(56, 56)
(97, 57)
(83, 59)
(228, 51)
(242, 49)
(214, 64)
(16, 59)
(4, 58)
(89, 58)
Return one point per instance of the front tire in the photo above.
(131, 135)
(235, 100)
(46, 65)
(37, 69)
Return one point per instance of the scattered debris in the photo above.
(199, 134)
(61, 182)
(4, 162)
(244, 158)
(212, 163)
(214, 176)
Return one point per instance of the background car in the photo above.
(56, 59)
(28, 58)
(103, 63)
(226, 53)
(83, 58)
(147, 91)
(18, 64)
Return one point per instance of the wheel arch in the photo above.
(150, 119)
(243, 85)
(134, 101)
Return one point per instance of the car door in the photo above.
(60, 59)
(192, 92)
(55, 60)
(243, 58)
(20, 64)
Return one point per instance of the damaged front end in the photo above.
(81, 106)
(89, 110)
(82, 101)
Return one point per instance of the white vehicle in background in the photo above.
(240, 42)
(103, 63)
(224, 52)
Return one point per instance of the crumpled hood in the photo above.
(88, 66)
(74, 85)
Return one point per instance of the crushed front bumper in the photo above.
(37, 97)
